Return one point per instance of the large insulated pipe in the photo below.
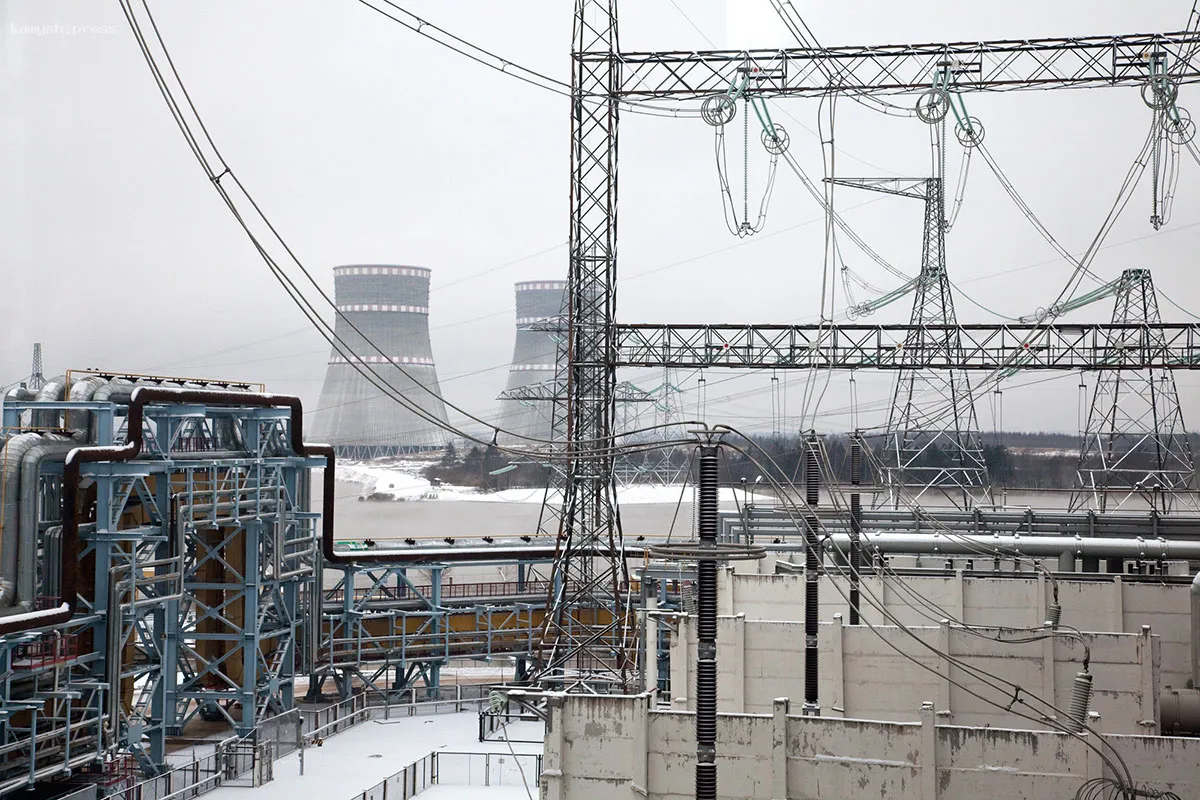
(812, 575)
(52, 447)
(1179, 709)
(706, 626)
(1196, 631)
(81, 392)
(19, 394)
(118, 390)
(51, 392)
(10, 504)
(72, 477)
(997, 546)
(855, 524)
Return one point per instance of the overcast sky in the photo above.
(364, 142)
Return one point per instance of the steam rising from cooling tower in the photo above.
(390, 306)
(539, 304)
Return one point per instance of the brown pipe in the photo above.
(142, 396)
(147, 395)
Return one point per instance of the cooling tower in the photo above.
(390, 306)
(533, 361)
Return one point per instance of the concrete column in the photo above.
(928, 754)
(1048, 685)
(1066, 561)
(651, 647)
(1149, 718)
(640, 783)
(1040, 604)
(736, 653)
(552, 755)
(1118, 605)
(837, 673)
(725, 581)
(680, 661)
(943, 706)
(779, 759)
(960, 597)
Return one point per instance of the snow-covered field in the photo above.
(402, 480)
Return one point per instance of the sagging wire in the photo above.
(1109, 789)
(742, 228)
(1016, 693)
(718, 111)
(208, 155)
(504, 66)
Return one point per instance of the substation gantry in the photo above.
(585, 636)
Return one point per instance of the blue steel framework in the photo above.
(383, 632)
(191, 576)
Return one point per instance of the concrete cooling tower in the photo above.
(533, 361)
(390, 306)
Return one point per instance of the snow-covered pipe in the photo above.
(1196, 631)
(81, 392)
(51, 391)
(19, 394)
(52, 447)
(10, 468)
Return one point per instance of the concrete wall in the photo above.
(1113, 605)
(617, 747)
(874, 674)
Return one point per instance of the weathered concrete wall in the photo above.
(616, 747)
(1113, 606)
(874, 674)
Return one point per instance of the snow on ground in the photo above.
(402, 481)
(349, 763)
(479, 793)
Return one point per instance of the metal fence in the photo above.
(413, 779)
(488, 769)
(444, 768)
(249, 761)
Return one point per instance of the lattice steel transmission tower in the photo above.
(587, 636)
(587, 624)
(36, 378)
(932, 441)
(1134, 443)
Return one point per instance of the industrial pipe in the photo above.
(143, 396)
(52, 447)
(18, 394)
(10, 497)
(1003, 546)
(81, 392)
(1195, 593)
(51, 391)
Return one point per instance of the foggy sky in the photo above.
(364, 142)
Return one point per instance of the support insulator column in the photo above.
(812, 568)
(855, 524)
(706, 625)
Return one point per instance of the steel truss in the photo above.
(384, 632)
(586, 629)
(1134, 442)
(983, 347)
(1003, 65)
(932, 438)
(193, 568)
